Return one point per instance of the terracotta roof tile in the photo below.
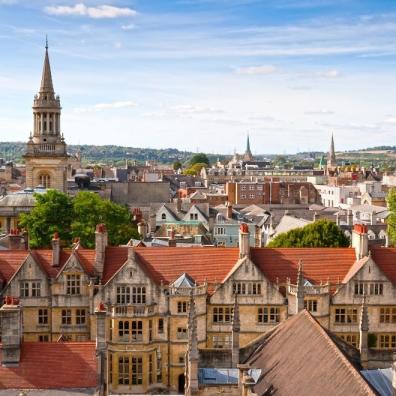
(87, 259)
(114, 259)
(52, 365)
(44, 258)
(201, 263)
(10, 261)
(319, 264)
(302, 352)
(385, 258)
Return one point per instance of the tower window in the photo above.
(45, 180)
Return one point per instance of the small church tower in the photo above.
(331, 157)
(46, 157)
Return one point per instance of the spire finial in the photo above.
(46, 42)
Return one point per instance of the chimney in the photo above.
(14, 239)
(229, 210)
(394, 375)
(142, 229)
(300, 288)
(178, 205)
(349, 217)
(236, 328)
(11, 321)
(100, 247)
(364, 328)
(373, 219)
(172, 238)
(100, 313)
(244, 248)
(131, 251)
(360, 240)
(55, 250)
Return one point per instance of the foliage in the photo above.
(177, 165)
(52, 213)
(200, 158)
(77, 217)
(195, 169)
(391, 200)
(321, 233)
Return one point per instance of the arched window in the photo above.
(163, 216)
(45, 180)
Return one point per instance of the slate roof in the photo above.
(52, 365)
(299, 358)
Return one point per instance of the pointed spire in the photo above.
(46, 79)
(331, 161)
(248, 156)
(300, 288)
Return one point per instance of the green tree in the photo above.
(194, 169)
(177, 165)
(52, 213)
(76, 217)
(200, 158)
(90, 209)
(321, 233)
(391, 220)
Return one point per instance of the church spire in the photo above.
(46, 86)
(248, 156)
(331, 160)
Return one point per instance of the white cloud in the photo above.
(264, 69)
(130, 26)
(192, 109)
(80, 9)
(390, 120)
(333, 73)
(319, 112)
(106, 106)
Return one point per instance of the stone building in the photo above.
(46, 157)
(146, 292)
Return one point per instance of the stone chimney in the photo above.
(349, 217)
(131, 251)
(55, 250)
(300, 288)
(236, 328)
(152, 224)
(364, 329)
(178, 204)
(142, 229)
(394, 375)
(172, 238)
(244, 234)
(192, 352)
(229, 210)
(14, 240)
(100, 313)
(360, 240)
(11, 322)
(100, 247)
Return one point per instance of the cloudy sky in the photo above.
(201, 74)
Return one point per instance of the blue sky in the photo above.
(200, 74)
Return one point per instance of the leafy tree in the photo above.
(200, 158)
(194, 169)
(391, 200)
(321, 233)
(177, 165)
(90, 210)
(52, 213)
(76, 217)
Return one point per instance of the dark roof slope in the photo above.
(300, 358)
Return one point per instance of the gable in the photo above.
(168, 214)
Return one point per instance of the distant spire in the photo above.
(331, 161)
(46, 79)
(248, 156)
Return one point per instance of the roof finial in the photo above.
(46, 42)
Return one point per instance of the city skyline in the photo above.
(202, 74)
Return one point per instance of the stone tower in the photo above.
(46, 157)
(331, 157)
(248, 156)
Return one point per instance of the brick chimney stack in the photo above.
(15, 240)
(55, 250)
(101, 238)
(229, 210)
(244, 249)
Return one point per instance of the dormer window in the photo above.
(163, 216)
(73, 284)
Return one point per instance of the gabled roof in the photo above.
(184, 280)
(320, 264)
(385, 258)
(52, 365)
(201, 263)
(300, 358)
(44, 258)
(10, 262)
(115, 258)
